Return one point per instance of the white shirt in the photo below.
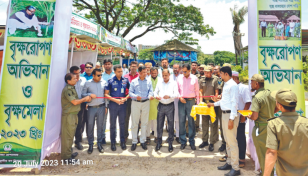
(29, 22)
(244, 96)
(170, 88)
(292, 25)
(125, 71)
(148, 77)
(79, 86)
(229, 100)
(263, 24)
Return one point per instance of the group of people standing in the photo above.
(147, 96)
(291, 28)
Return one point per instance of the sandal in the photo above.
(241, 164)
(223, 159)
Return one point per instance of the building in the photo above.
(141, 47)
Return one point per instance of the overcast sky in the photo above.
(216, 13)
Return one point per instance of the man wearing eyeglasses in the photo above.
(81, 114)
(88, 71)
(25, 19)
(97, 108)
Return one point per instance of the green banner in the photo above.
(24, 81)
(280, 47)
(83, 26)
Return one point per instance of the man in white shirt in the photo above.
(125, 70)
(292, 28)
(263, 26)
(82, 113)
(176, 74)
(25, 19)
(164, 65)
(230, 120)
(148, 65)
(165, 92)
(244, 103)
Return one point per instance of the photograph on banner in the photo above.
(280, 25)
(31, 19)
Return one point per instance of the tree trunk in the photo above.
(236, 58)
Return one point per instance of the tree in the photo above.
(146, 54)
(121, 18)
(238, 19)
(221, 57)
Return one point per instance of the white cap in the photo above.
(235, 73)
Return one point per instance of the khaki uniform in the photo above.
(218, 111)
(264, 104)
(288, 134)
(69, 120)
(208, 86)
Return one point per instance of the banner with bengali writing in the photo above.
(24, 81)
(83, 26)
(280, 47)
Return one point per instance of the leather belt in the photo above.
(189, 99)
(226, 112)
(141, 101)
(98, 106)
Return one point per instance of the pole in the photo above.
(72, 51)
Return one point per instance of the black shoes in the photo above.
(113, 147)
(178, 140)
(222, 147)
(90, 150)
(193, 147)
(170, 149)
(74, 155)
(157, 148)
(144, 146)
(183, 146)
(211, 147)
(204, 144)
(225, 167)
(100, 148)
(233, 172)
(133, 148)
(104, 141)
(123, 146)
(79, 146)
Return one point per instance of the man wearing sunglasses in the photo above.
(88, 71)
(25, 19)
(97, 108)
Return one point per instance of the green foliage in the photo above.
(305, 69)
(244, 77)
(221, 57)
(205, 58)
(281, 14)
(146, 54)
(122, 16)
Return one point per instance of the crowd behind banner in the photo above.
(151, 97)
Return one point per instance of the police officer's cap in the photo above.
(285, 97)
(208, 68)
(227, 65)
(257, 78)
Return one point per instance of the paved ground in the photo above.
(139, 162)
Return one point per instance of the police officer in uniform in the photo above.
(70, 108)
(117, 87)
(208, 86)
(263, 107)
(287, 138)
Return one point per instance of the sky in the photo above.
(216, 13)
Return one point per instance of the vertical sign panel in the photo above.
(280, 47)
(24, 81)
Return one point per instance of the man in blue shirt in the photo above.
(116, 87)
(97, 109)
(140, 92)
(88, 71)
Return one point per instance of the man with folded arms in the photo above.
(230, 120)
(165, 92)
(188, 90)
(140, 92)
(97, 108)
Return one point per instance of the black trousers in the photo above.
(241, 140)
(82, 121)
(263, 31)
(127, 117)
(163, 111)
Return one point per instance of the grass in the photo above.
(31, 33)
(272, 38)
